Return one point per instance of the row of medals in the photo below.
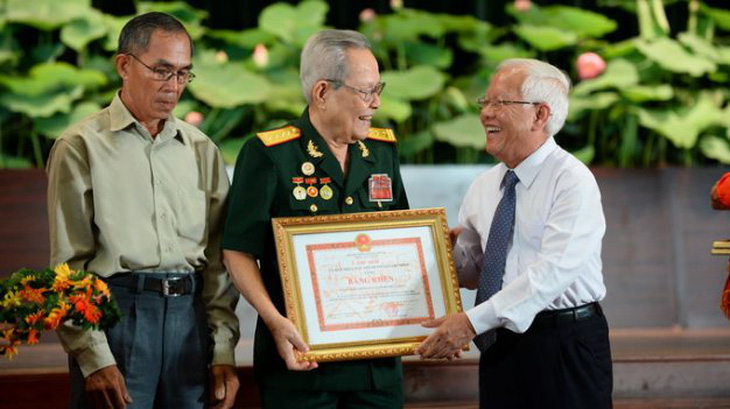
(301, 193)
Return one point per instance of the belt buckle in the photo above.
(166, 290)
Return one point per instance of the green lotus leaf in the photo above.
(417, 83)
(184, 106)
(546, 38)
(82, 31)
(452, 23)
(683, 126)
(497, 53)
(246, 38)
(412, 144)
(408, 25)
(716, 148)
(619, 74)
(52, 127)
(673, 57)
(700, 46)
(286, 92)
(619, 49)
(585, 154)
(113, 26)
(180, 9)
(580, 22)
(581, 103)
(230, 148)
(45, 14)
(14, 162)
(719, 16)
(429, 54)
(463, 131)
(49, 77)
(643, 93)
(226, 84)
(42, 105)
(478, 38)
(294, 24)
(393, 108)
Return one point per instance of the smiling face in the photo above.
(513, 131)
(344, 114)
(149, 100)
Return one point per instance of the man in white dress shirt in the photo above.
(542, 334)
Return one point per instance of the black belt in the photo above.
(555, 318)
(174, 286)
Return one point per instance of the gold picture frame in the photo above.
(358, 286)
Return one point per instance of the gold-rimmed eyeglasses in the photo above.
(367, 95)
(498, 103)
(182, 77)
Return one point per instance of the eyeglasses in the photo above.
(183, 76)
(498, 103)
(367, 95)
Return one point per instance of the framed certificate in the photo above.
(359, 285)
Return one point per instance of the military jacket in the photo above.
(269, 170)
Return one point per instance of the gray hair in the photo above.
(135, 36)
(324, 57)
(544, 83)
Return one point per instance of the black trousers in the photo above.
(562, 365)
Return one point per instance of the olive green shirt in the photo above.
(263, 188)
(120, 200)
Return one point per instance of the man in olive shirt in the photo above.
(137, 197)
(323, 163)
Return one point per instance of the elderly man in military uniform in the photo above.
(329, 161)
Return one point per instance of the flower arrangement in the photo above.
(33, 301)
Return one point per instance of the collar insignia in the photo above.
(313, 151)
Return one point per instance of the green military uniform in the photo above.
(291, 172)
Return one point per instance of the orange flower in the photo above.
(9, 351)
(32, 337)
(55, 317)
(83, 305)
(100, 286)
(34, 318)
(33, 294)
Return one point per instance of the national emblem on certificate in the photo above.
(359, 285)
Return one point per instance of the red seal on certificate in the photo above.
(380, 187)
(363, 242)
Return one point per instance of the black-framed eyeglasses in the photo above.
(498, 103)
(183, 76)
(367, 95)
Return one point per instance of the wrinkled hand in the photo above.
(290, 343)
(223, 386)
(453, 332)
(106, 388)
(454, 234)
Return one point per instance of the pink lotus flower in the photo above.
(221, 57)
(261, 56)
(367, 15)
(194, 118)
(590, 65)
(396, 4)
(523, 5)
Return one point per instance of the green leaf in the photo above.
(546, 38)
(113, 26)
(248, 39)
(417, 83)
(409, 24)
(671, 56)
(13, 162)
(719, 16)
(462, 23)
(393, 108)
(294, 24)
(705, 48)
(231, 147)
(42, 105)
(463, 131)
(497, 53)
(716, 148)
(428, 54)
(585, 154)
(286, 92)
(581, 22)
(581, 103)
(412, 144)
(226, 84)
(50, 77)
(619, 74)
(54, 126)
(82, 31)
(644, 93)
(45, 14)
(180, 9)
(683, 126)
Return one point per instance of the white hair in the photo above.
(324, 57)
(544, 83)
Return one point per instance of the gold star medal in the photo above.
(312, 190)
(325, 191)
(299, 192)
(307, 168)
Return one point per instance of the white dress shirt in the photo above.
(554, 259)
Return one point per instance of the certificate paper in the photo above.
(359, 286)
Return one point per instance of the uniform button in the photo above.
(348, 200)
(313, 208)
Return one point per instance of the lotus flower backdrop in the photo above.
(659, 98)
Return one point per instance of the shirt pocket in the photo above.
(192, 215)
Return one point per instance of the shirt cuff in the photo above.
(94, 358)
(224, 354)
(483, 317)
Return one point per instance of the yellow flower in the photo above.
(55, 316)
(63, 278)
(12, 299)
(63, 270)
(100, 286)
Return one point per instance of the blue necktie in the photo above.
(495, 252)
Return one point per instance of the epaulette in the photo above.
(381, 134)
(278, 136)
